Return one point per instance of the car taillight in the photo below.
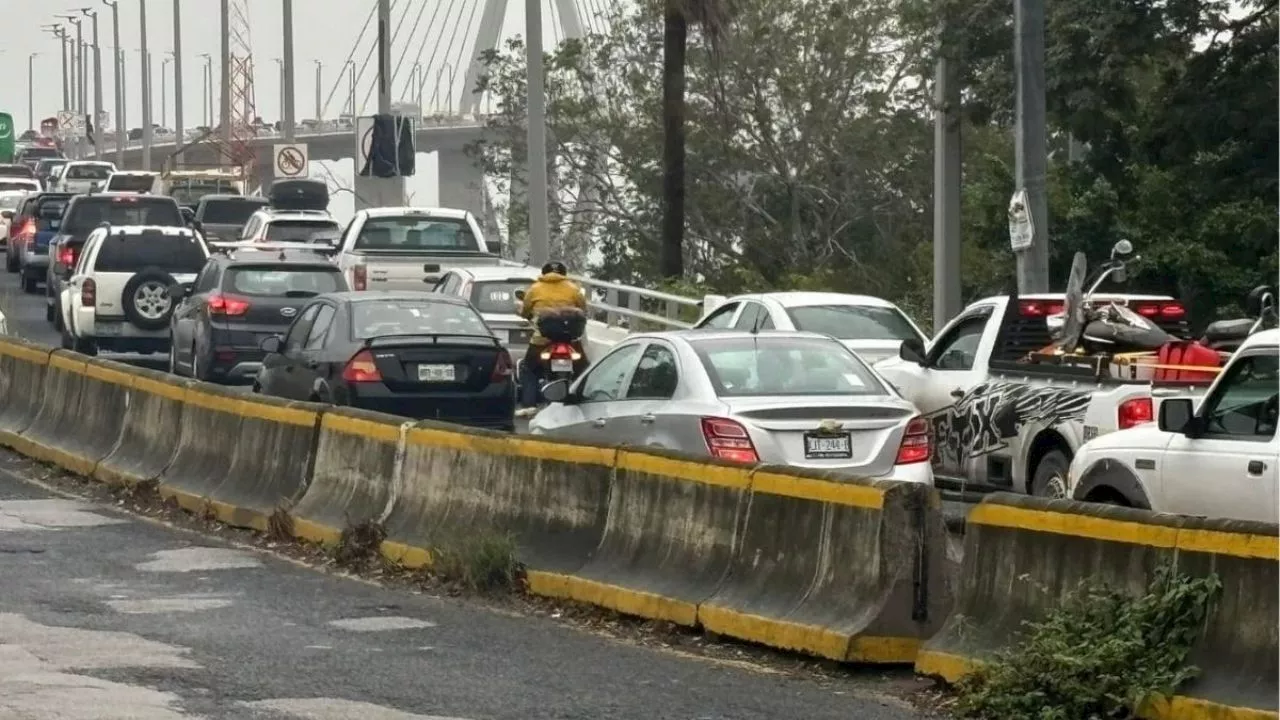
(26, 230)
(1040, 308)
(915, 447)
(88, 293)
(728, 440)
(502, 368)
(361, 369)
(220, 304)
(560, 351)
(1170, 309)
(67, 257)
(1135, 411)
(359, 278)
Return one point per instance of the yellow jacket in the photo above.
(552, 291)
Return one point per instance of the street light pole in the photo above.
(178, 131)
(319, 77)
(61, 33)
(31, 103)
(351, 99)
(97, 85)
(164, 92)
(539, 221)
(288, 69)
(146, 87)
(1030, 147)
(117, 74)
(207, 70)
(280, 82)
(225, 109)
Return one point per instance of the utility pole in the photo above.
(122, 130)
(146, 87)
(179, 133)
(319, 76)
(280, 85)
(164, 92)
(946, 191)
(539, 223)
(97, 85)
(31, 103)
(288, 109)
(60, 32)
(207, 74)
(1031, 153)
(225, 109)
(77, 76)
(351, 89)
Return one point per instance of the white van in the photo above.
(84, 176)
(133, 181)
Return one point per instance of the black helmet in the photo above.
(555, 267)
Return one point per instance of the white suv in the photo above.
(303, 226)
(117, 299)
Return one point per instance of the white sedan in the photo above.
(870, 326)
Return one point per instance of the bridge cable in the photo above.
(430, 65)
(368, 57)
(408, 44)
(373, 86)
(453, 64)
(422, 45)
(342, 75)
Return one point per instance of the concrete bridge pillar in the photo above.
(461, 182)
(375, 192)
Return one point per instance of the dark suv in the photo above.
(222, 217)
(239, 299)
(84, 214)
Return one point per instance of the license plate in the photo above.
(827, 447)
(436, 373)
(103, 329)
(520, 337)
(561, 365)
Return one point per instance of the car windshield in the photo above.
(90, 212)
(21, 171)
(189, 192)
(87, 172)
(854, 322)
(280, 281)
(134, 251)
(11, 202)
(302, 231)
(47, 166)
(128, 182)
(416, 234)
(497, 297)
(6, 186)
(780, 365)
(230, 212)
(55, 204)
(38, 152)
(377, 318)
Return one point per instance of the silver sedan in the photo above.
(783, 398)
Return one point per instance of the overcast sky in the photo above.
(324, 30)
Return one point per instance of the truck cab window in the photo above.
(1245, 406)
(958, 349)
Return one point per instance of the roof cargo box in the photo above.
(299, 194)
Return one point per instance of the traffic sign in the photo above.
(291, 161)
(71, 124)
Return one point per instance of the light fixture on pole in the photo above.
(164, 91)
(31, 104)
(319, 80)
(97, 85)
(208, 88)
(117, 76)
(147, 129)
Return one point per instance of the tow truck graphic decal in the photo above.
(989, 415)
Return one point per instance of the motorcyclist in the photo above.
(552, 292)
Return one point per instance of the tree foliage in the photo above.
(809, 145)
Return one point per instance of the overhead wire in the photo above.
(426, 37)
(448, 19)
(454, 63)
(417, 20)
(373, 11)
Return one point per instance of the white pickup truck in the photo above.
(1219, 460)
(407, 248)
(1002, 422)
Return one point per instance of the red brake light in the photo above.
(89, 293)
(1172, 310)
(28, 229)
(66, 257)
(361, 369)
(359, 278)
(229, 305)
(502, 368)
(1039, 308)
(916, 446)
(1135, 411)
(728, 440)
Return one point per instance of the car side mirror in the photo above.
(912, 350)
(1177, 415)
(270, 344)
(6, 214)
(556, 391)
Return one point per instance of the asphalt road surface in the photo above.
(105, 616)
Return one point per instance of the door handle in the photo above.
(1256, 467)
(599, 422)
(957, 393)
(648, 418)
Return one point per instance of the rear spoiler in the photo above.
(378, 341)
(226, 248)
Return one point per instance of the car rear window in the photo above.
(38, 152)
(854, 322)
(230, 212)
(306, 231)
(87, 172)
(189, 192)
(22, 171)
(135, 251)
(10, 186)
(90, 212)
(497, 297)
(377, 318)
(413, 234)
(130, 183)
(780, 365)
(277, 281)
(42, 223)
(47, 166)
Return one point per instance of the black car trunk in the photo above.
(449, 363)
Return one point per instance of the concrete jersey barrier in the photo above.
(23, 367)
(150, 433)
(1023, 554)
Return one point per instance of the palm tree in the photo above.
(677, 15)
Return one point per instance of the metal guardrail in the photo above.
(638, 309)
(329, 130)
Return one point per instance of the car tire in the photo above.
(146, 301)
(1050, 479)
(86, 347)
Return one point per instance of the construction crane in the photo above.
(236, 148)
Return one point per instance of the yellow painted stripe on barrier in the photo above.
(383, 432)
(250, 409)
(624, 600)
(705, 473)
(774, 633)
(108, 375)
(512, 446)
(1266, 547)
(63, 362)
(163, 389)
(825, 491)
(884, 650)
(315, 532)
(24, 353)
(1086, 526)
(944, 665)
(407, 556)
